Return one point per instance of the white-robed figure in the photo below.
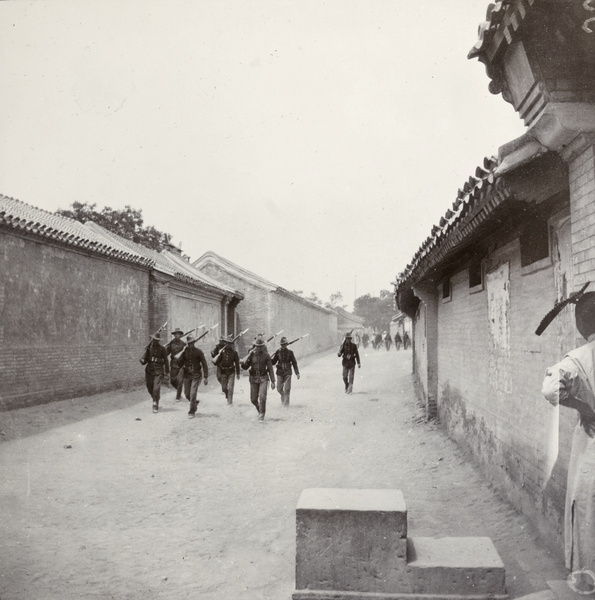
(571, 383)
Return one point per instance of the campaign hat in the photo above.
(284, 341)
(177, 330)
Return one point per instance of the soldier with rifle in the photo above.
(194, 364)
(285, 360)
(261, 372)
(214, 352)
(173, 348)
(261, 335)
(350, 354)
(227, 362)
(155, 357)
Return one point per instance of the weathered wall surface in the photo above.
(297, 319)
(491, 366)
(420, 354)
(70, 324)
(269, 311)
(185, 308)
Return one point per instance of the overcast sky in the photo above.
(313, 142)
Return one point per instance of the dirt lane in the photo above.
(168, 507)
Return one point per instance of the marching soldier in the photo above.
(220, 345)
(284, 358)
(155, 357)
(350, 354)
(228, 364)
(406, 341)
(174, 348)
(260, 368)
(387, 340)
(194, 364)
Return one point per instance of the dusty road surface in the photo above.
(100, 498)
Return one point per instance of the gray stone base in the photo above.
(336, 595)
(352, 544)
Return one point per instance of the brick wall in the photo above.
(489, 386)
(71, 324)
(581, 174)
(268, 311)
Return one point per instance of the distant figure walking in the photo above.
(261, 372)
(398, 341)
(377, 341)
(388, 341)
(406, 341)
(285, 360)
(194, 363)
(357, 340)
(227, 362)
(155, 357)
(365, 340)
(350, 354)
(176, 376)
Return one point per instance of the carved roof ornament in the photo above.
(587, 6)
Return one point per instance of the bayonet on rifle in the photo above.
(558, 306)
(196, 340)
(232, 341)
(274, 336)
(298, 339)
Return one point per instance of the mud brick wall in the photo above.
(489, 387)
(70, 323)
(581, 175)
(268, 311)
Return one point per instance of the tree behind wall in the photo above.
(376, 310)
(127, 222)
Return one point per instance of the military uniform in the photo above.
(155, 357)
(285, 360)
(195, 365)
(176, 376)
(261, 372)
(220, 345)
(228, 365)
(387, 341)
(350, 354)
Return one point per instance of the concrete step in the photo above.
(543, 595)
(467, 566)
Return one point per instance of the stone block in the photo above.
(462, 566)
(563, 591)
(351, 540)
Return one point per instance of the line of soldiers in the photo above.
(187, 366)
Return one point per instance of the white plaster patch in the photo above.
(498, 293)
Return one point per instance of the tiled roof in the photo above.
(475, 202)
(22, 217)
(192, 271)
(159, 260)
(459, 220)
(347, 315)
(244, 274)
(503, 18)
